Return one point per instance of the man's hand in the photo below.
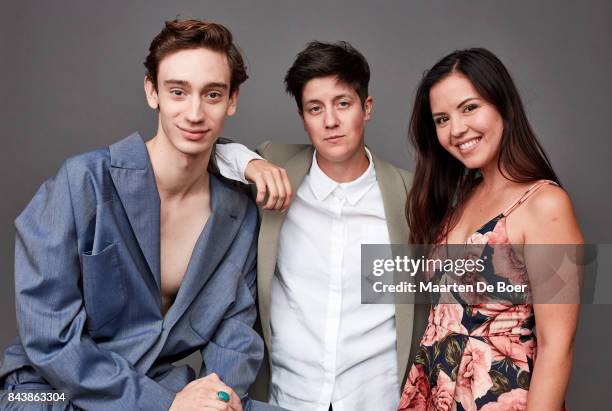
(201, 394)
(272, 180)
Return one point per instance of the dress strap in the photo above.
(535, 187)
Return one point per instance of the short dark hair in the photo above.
(192, 34)
(320, 59)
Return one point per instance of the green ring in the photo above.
(223, 396)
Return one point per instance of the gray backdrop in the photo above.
(72, 81)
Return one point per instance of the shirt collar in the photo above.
(322, 185)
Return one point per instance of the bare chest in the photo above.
(180, 227)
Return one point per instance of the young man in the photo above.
(326, 349)
(134, 256)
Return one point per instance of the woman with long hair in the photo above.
(482, 177)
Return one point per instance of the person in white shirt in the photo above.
(327, 349)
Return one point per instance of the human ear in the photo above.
(367, 108)
(151, 93)
(233, 102)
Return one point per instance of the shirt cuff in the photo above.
(232, 160)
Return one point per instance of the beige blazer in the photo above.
(394, 184)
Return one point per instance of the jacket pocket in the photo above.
(103, 287)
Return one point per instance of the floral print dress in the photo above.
(477, 357)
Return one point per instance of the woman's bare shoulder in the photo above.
(548, 217)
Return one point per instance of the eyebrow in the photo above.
(466, 100)
(458, 105)
(184, 83)
(338, 97)
(175, 82)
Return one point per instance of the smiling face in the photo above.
(334, 119)
(468, 127)
(193, 99)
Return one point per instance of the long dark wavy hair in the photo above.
(441, 182)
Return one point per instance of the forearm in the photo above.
(236, 350)
(550, 378)
(232, 160)
(92, 377)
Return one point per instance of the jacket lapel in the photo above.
(271, 221)
(134, 181)
(220, 230)
(394, 196)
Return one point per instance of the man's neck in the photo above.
(345, 171)
(177, 175)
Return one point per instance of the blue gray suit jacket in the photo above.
(87, 279)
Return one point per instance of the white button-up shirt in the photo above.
(327, 347)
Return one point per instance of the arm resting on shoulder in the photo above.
(232, 160)
(237, 162)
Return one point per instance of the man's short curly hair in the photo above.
(191, 34)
